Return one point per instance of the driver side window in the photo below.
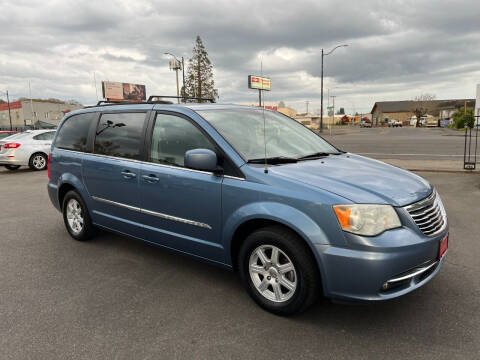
(172, 137)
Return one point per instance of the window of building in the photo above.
(73, 134)
(120, 135)
(172, 137)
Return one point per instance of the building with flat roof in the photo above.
(35, 114)
(383, 111)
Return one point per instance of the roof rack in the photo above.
(159, 97)
(154, 99)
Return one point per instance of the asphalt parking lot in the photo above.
(400, 143)
(117, 298)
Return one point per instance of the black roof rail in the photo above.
(159, 97)
(154, 99)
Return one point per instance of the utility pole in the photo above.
(9, 114)
(183, 75)
(333, 114)
(321, 98)
(307, 102)
(176, 65)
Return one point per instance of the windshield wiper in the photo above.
(273, 160)
(315, 155)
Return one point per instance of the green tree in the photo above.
(281, 104)
(199, 79)
(462, 118)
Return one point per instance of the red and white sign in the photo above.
(13, 105)
(258, 82)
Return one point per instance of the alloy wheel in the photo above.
(74, 216)
(272, 273)
(39, 162)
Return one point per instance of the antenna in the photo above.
(265, 170)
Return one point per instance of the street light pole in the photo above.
(321, 90)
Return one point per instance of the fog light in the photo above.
(385, 286)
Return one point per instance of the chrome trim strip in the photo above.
(233, 177)
(129, 207)
(175, 218)
(415, 273)
(154, 213)
(148, 163)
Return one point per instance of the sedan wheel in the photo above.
(38, 162)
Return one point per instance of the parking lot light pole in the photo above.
(321, 86)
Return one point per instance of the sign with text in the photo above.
(259, 83)
(117, 91)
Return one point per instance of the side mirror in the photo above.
(201, 159)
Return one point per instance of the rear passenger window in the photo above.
(120, 135)
(172, 137)
(73, 134)
(45, 136)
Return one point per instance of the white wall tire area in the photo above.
(38, 162)
(279, 271)
(76, 217)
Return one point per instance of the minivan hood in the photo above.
(358, 179)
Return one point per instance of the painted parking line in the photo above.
(387, 154)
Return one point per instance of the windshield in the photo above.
(284, 137)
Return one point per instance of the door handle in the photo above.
(127, 174)
(150, 178)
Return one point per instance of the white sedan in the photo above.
(29, 148)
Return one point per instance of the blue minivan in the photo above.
(253, 191)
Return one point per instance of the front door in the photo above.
(181, 207)
(111, 174)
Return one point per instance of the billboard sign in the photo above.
(259, 83)
(117, 91)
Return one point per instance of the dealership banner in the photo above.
(258, 82)
(117, 91)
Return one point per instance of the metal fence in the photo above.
(471, 145)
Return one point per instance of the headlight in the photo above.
(367, 220)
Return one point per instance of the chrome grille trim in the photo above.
(429, 214)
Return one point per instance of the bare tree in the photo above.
(423, 105)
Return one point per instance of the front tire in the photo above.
(76, 217)
(38, 162)
(279, 271)
(12, 167)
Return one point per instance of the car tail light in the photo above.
(11, 145)
(48, 165)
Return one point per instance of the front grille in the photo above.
(429, 214)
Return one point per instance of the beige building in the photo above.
(35, 113)
(383, 111)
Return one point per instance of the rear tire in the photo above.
(38, 162)
(12, 167)
(267, 277)
(76, 217)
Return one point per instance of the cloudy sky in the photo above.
(397, 48)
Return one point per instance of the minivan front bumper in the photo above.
(401, 258)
